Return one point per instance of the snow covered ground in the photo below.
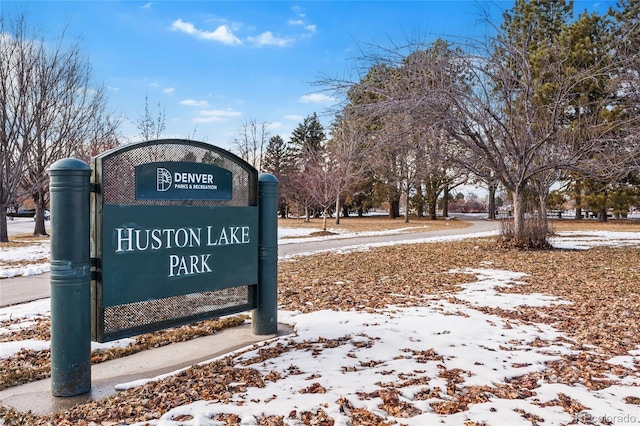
(339, 361)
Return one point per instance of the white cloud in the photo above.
(298, 11)
(294, 117)
(268, 39)
(222, 34)
(317, 98)
(147, 5)
(215, 115)
(194, 103)
(300, 21)
(168, 90)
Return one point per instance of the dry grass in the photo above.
(619, 225)
(416, 224)
(375, 223)
(23, 240)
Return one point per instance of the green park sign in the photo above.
(176, 233)
(156, 234)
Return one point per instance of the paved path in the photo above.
(478, 225)
(25, 289)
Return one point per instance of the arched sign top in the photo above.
(175, 172)
(185, 142)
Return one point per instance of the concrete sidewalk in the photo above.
(24, 289)
(36, 396)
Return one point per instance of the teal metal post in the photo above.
(265, 316)
(70, 277)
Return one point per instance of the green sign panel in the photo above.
(156, 252)
(182, 180)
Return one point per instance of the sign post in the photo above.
(265, 316)
(70, 278)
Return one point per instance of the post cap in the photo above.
(69, 164)
(267, 177)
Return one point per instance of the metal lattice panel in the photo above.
(125, 320)
(118, 174)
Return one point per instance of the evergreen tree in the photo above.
(307, 145)
(585, 44)
(626, 44)
(278, 162)
(308, 137)
(277, 157)
(627, 16)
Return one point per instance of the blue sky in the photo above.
(213, 65)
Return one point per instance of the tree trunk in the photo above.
(519, 229)
(38, 199)
(445, 202)
(433, 208)
(492, 201)
(602, 214)
(39, 226)
(338, 210)
(406, 204)
(577, 196)
(544, 223)
(324, 219)
(4, 236)
(419, 201)
(394, 207)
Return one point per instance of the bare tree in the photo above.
(18, 56)
(102, 137)
(395, 98)
(518, 108)
(439, 172)
(347, 150)
(251, 142)
(151, 127)
(67, 112)
(319, 183)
